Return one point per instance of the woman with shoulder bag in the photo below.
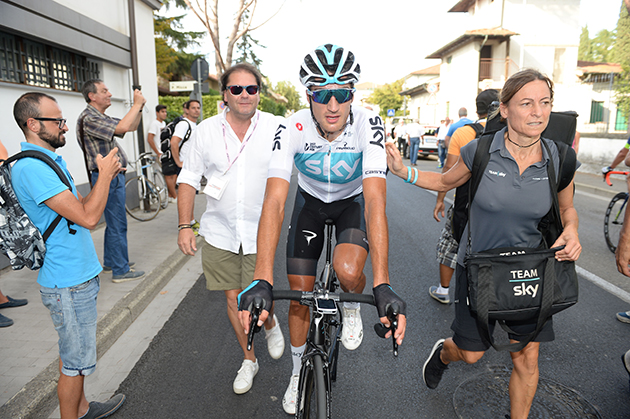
(512, 197)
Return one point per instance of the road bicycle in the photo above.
(148, 189)
(613, 220)
(319, 361)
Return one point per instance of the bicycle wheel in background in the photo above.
(313, 399)
(143, 199)
(160, 183)
(613, 221)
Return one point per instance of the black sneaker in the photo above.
(102, 410)
(434, 367)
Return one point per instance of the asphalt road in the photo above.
(190, 365)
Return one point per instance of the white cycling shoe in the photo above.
(352, 332)
(290, 396)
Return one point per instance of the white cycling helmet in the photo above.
(329, 64)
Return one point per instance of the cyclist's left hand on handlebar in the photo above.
(384, 296)
(258, 288)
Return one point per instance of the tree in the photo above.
(288, 90)
(584, 50)
(170, 41)
(207, 11)
(621, 52)
(387, 97)
(601, 46)
(246, 48)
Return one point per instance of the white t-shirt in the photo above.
(415, 130)
(156, 128)
(180, 131)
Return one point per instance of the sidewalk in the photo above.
(28, 349)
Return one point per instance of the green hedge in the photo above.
(174, 105)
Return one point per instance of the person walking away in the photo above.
(506, 211)
(414, 134)
(232, 150)
(441, 134)
(96, 134)
(68, 279)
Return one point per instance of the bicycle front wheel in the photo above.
(313, 399)
(613, 221)
(143, 199)
(160, 183)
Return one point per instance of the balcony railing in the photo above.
(496, 69)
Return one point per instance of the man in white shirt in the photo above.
(232, 150)
(414, 132)
(183, 131)
(153, 137)
(441, 135)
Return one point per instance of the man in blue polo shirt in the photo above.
(463, 120)
(68, 279)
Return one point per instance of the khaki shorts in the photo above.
(225, 270)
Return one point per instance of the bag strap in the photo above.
(480, 161)
(55, 167)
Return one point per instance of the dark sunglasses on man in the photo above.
(236, 90)
(323, 96)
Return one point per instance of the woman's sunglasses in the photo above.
(236, 90)
(324, 96)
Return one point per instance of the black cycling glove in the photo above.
(384, 296)
(258, 288)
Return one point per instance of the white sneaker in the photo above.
(245, 376)
(288, 401)
(172, 200)
(352, 332)
(275, 340)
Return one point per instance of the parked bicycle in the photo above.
(319, 361)
(148, 189)
(613, 220)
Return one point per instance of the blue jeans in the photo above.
(73, 312)
(441, 153)
(115, 252)
(414, 144)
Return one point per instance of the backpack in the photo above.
(167, 133)
(20, 240)
(561, 129)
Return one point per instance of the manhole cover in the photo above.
(485, 395)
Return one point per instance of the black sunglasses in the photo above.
(61, 121)
(236, 90)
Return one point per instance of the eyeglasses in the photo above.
(61, 121)
(236, 90)
(324, 96)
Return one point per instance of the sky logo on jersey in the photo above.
(378, 133)
(276, 138)
(339, 167)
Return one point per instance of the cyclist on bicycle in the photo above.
(339, 152)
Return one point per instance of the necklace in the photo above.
(522, 146)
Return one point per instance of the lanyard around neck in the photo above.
(227, 153)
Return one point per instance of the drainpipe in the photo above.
(134, 65)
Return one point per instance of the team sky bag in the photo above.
(517, 283)
(20, 240)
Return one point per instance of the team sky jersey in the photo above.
(330, 171)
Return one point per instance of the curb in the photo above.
(608, 193)
(38, 398)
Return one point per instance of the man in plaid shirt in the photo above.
(96, 133)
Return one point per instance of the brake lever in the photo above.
(253, 325)
(392, 315)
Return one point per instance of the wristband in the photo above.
(415, 178)
(183, 226)
(408, 174)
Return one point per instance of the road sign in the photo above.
(199, 69)
(182, 86)
(391, 112)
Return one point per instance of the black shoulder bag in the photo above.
(518, 283)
